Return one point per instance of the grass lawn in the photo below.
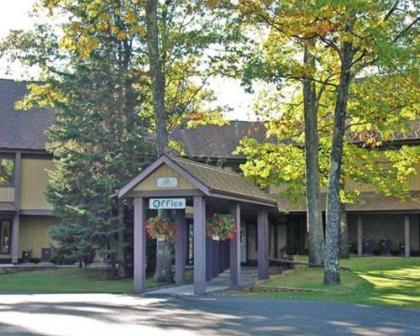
(390, 281)
(66, 280)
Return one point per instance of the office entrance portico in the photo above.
(206, 189)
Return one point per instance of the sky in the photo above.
(14, 14)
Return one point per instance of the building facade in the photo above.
(25, 214)
(377, 225)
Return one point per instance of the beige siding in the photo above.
(34, 234)
(149, 184)
(34, 183)
(414, 183)
(415, 179)
(7, 194)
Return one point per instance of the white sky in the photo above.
(14, 14)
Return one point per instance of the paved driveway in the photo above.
(107, 314)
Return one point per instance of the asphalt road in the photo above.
(125, 315)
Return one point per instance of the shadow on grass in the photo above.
(398, 287)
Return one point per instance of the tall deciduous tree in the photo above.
(313, 192)
(178, 33)
(348, 39)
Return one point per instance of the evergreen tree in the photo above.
(100, 138)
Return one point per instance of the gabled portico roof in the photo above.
(210, 180)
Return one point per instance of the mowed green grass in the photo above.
(65, 280)
(392, 281)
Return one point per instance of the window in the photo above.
(5, 238)
(6, 171)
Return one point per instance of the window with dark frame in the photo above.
(5, 235)
(6, 171)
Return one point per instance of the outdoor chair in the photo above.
(368, 245)
(385, 247)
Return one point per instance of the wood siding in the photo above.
(34, 234)
(34, 183)
(149, 184)
(7, 194)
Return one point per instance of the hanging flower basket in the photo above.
(160, 228)
(221, 227)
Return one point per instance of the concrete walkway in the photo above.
(130, 315)
(217, 284)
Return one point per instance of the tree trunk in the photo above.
(343, 233)
(313, 206)
(332, 271)
(121, 243)
(157, 76)
(163, 271)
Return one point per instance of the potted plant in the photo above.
(160, 228)
(221, 227)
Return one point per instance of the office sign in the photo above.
(166, 182)
(167, 203)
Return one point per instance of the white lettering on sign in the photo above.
(167, 182)
(167, 203)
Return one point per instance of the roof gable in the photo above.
(211, 181)
(164, 171)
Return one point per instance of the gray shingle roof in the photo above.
(213, 141)
(26, 129)
(21, 129)
(222, 181)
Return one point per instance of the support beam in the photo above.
(16, 220)
(262, 253)
(407, 235)
(209, 258)
(235, 248)
(15, 239)
(199, 245)
(139, 246)
(359, 236)
(276, 240)
(216, 258)
(180, 246)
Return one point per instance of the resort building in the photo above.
(210, 177)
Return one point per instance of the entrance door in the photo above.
(243, 243)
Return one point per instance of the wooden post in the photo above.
(407, 235)
(216, 265)
(199, 245)
(235, 248)
(359, 236)
(16, 219)
(262, 253)
(209, 258)
(15, 239)
(139, 246)
(276, 240)
(180, 246)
